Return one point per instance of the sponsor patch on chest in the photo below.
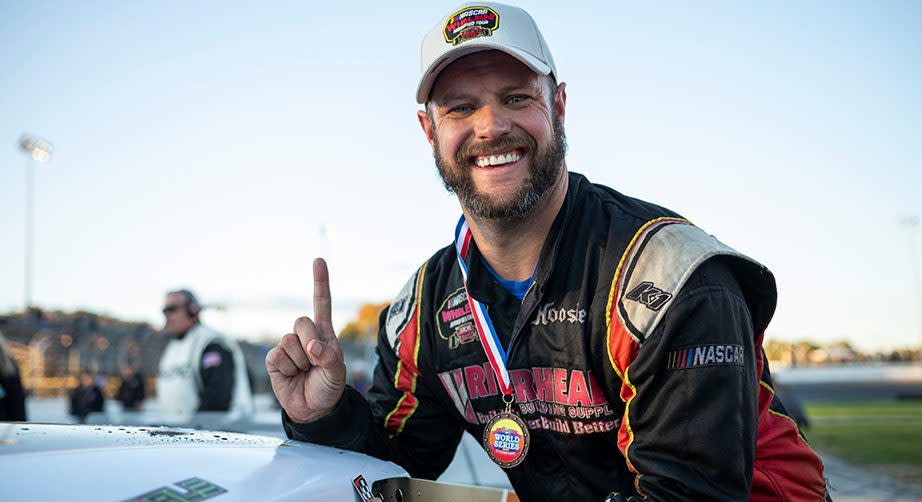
(563, 400)
(551, 314)
(705, 355)
(454, 320)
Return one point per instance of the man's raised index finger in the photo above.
(322, 302)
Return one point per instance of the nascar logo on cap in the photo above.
(470, 23)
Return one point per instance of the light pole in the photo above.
(912, 221)
(37, 150)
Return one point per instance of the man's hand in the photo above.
(306, 368)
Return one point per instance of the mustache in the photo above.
(503, 143)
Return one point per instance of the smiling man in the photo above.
(496, 129)
(597, 345)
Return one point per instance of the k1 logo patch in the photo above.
(705, 355)
(651, 296)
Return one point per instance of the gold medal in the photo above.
(505, 437)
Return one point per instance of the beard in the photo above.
(544, 168)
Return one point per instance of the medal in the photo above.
(505, 436)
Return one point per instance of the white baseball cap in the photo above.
(480, 26)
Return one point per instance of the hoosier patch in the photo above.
(705, 355)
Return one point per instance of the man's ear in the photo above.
(425, 121)
(560, 101)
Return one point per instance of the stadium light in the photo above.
(38, 150)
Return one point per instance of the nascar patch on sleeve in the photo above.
(705, 355)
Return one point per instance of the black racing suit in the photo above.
(217, 372)
(606, 412)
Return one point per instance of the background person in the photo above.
(131, 390)
(12, 396)
(200, 369)
(86, 398)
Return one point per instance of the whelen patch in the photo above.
(469, 23)
(705, 355)
(454, 320)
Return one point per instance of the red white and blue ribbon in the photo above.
(485, 331)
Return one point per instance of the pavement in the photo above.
(848, 483)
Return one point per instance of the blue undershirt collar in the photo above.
(517, 289)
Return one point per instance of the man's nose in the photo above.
(490, 122)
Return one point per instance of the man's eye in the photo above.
(514, 100)
(460, 109)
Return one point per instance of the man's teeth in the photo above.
(495, 160)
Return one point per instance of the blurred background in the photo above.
(222, 146)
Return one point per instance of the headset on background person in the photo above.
(193, 307)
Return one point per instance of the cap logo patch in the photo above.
(470, 23)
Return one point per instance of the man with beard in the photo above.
(598, 345)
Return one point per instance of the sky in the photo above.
(221, 146)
